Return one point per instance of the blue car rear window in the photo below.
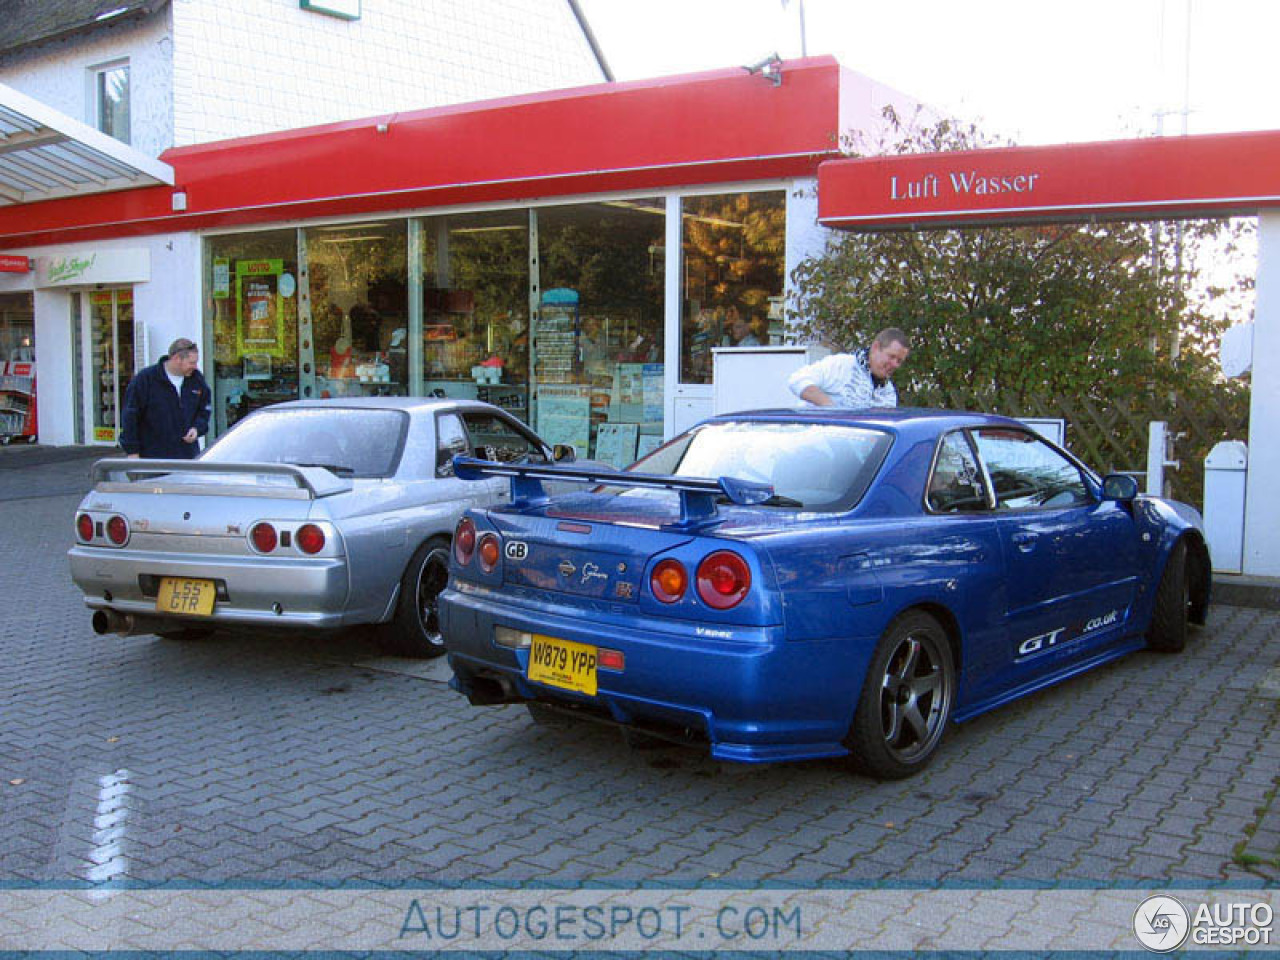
(811, 466)
(350, 441)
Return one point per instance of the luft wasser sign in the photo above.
(960, 183)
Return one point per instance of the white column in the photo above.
(673, 264)
(1262, 506)
(55, 414)
(805, 236)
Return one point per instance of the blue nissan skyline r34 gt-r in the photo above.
(792, 584)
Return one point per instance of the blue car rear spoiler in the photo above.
(697, 495)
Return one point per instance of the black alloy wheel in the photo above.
(906, 700)
(415, 631)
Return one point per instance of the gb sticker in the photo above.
(516, 550)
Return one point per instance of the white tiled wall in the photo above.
(250, 66)
(58, 75)
(214, 69)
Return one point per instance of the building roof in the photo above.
(45, 154)
(24, 23)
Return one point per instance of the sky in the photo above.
(1034, 71)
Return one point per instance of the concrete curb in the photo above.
(1234, 590)
(16, 457)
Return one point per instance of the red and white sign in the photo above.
(9, 263)
(1154, 178)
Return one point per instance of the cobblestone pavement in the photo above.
(261, 760)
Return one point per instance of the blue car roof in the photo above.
(896, 419)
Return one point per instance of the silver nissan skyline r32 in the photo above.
(308, 514)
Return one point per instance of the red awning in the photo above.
(1155, 178)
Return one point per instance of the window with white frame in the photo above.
(111, 99)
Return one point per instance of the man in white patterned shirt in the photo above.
(859, 379)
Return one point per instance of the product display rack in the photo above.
(509, 397)
(17, 402)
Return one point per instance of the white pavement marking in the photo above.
(108, 852)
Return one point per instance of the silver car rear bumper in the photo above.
(280, 592)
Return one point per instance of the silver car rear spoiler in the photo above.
(123, 474)
(698, 495)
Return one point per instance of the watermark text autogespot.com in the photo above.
(593, 923)
(638, 920)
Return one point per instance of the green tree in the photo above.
(1010, 319)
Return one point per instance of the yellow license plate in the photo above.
(563, 663)
(182, 596)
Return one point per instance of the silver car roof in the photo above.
(411, 404)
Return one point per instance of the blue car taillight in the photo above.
(724, 579)
(669, 580)
(464, 541)
(490, 550)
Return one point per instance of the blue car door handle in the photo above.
(1024, 541)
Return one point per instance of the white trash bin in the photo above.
(1225, 470)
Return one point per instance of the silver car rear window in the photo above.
(350, 441)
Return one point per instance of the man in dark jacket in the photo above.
(167, 407)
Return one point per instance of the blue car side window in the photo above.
(1027, 473)
(956, 483)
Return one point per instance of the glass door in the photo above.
(110, 364)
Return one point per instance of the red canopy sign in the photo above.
(14, 264)
(1154, 178)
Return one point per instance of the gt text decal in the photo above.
(1042, 642)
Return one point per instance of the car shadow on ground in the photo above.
(1014, 743)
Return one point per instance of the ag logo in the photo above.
(516, 550)
(1161, 923)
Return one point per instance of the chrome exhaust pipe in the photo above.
(123, 624)
(109, 621)
(491, 691)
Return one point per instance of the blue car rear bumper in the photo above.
(750, 694)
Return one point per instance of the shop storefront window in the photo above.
(17, 367)
(17, 328)
(598, 337)
(251, 305)
(359, 308)
(475, 316)
(732, 282)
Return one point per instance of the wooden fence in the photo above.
(1111, 435)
